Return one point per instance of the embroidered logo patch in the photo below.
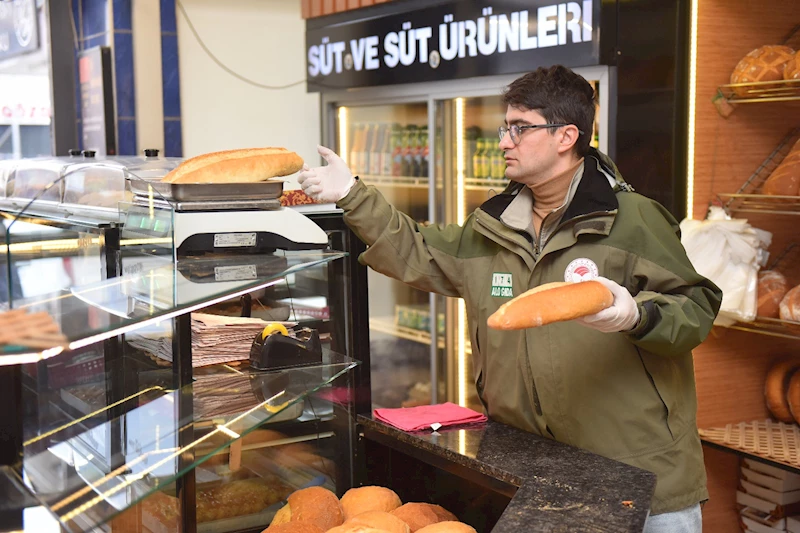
(581, 269)
(502, 285)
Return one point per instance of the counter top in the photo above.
(561, 488)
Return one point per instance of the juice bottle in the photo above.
(397, 152)
(477, 161)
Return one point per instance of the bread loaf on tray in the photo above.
(236, 166)
(552, 302)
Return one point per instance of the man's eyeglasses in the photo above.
(515, 130)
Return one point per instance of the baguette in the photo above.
(552, 302)
(236, 166)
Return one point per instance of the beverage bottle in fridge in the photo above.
(397, 151)
(477, 163)
(376, 149)
(425, 152)
(408, 150)
(372, 131)
(417, 153)
(355, 156)
(498, 163)
(386, 150)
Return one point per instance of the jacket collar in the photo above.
(595, 193)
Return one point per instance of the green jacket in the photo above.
(628, 396)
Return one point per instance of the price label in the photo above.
(234, 240)
(235, 273)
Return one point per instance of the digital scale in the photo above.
(214, 217)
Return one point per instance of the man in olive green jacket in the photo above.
(619, 383)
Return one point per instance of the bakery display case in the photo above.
(432, 151)
(148, 416)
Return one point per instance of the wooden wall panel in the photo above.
(730, 366)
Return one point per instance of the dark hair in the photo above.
(560, 96)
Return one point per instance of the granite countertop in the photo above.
(561, 488)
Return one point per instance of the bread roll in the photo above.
(772, 287)
(765, 63)
(785, 179)
(776, 386)
(371, 498)
(448, 527)
(314, 505)
(791, 70)
(419, 515)
(236, 166)
(790, 305)
(294, 527)
(552, 302)
(793, 397)
(380, 520)
(355, 528)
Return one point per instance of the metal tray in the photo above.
(189, 192)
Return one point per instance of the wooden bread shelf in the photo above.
(767, 441)
(770, 326)
(760, 92)
(761, 204)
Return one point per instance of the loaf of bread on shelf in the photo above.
(379, 520)
(785, 179)
(791, 70)
(551, 302)
(793, 397)
(236, 166)
(315, 505)
(790, 305)
(370, 498)
(419, 515)
(765, 63)
(772, 287)
(448, 527)
(295, 527)
(348, 527)
(776, 387)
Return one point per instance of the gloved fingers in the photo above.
(601, 316)
(313, 181)
(616, 289)
(306, 175)
(313, 191)
(306, 167)
(327, 154)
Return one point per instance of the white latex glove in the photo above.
(623, 314)
(330, 183)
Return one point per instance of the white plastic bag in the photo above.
(730, 253)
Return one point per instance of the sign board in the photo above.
(19, 27)
(453, 40)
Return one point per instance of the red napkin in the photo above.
(416, 418)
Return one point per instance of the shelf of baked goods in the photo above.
(772, 187)
(89, 469)
(767, 441)
(761, 91)
(773, 327)
(41, 327)
(470, 183)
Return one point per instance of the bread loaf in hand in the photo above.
(552, 302)
(236, 166)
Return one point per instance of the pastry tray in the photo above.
(193, 192)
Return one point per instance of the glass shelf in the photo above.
(85, 473)
(159, 289)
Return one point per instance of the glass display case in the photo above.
(146, 414)
(432, 151)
